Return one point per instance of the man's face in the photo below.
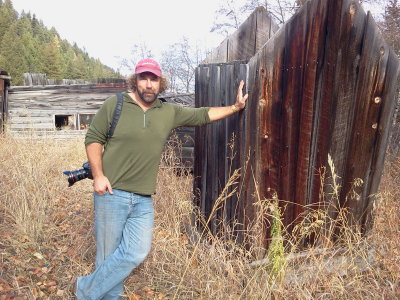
(148, 87)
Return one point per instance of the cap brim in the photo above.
(145, 69)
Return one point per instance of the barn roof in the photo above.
(181, 99)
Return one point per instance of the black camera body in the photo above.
(76, 175)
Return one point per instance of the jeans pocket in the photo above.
(104, 194)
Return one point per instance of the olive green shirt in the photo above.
(132, 155)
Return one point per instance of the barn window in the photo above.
(64, 122)
(85, 120)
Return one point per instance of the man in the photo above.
(125, 173)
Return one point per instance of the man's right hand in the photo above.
(101, 184)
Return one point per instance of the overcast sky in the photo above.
(109, 29)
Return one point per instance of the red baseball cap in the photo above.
(148, 65)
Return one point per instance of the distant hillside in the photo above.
(27, 45)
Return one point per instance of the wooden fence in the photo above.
(322, 87)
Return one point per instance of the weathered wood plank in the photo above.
(28, 126)
(242, 43)
(35, 79)
(370, 81)
(314, 39)
(84, 88)
(250, 182)
(293, 65)
(60, 108)
(233, 135)
(30, 120)
(246, 40)
(200, 167)
(49, 133)
(219, 54)
(337, 90)
(213, 157)
(229, 148)
(265, 28)
(223, 170)
(385, 124)
(271, 62)
(270, 114)
(43, 113)
(243, 131)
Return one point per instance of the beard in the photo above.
(147, 96)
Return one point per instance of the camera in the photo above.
(76, 175)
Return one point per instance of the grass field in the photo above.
(46, 240)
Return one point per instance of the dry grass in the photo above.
(46, 239)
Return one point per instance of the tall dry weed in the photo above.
(47, 227)
(31, 181)
(44, 225)
(341, 264)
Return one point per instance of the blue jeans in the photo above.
(123, 227)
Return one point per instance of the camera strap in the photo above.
(117, 113)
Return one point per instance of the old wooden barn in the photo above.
(57, 110)
(65, 108)
(323, 87)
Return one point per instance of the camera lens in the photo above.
(76, 175)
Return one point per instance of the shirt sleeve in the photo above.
(190, 116)
(98, 129)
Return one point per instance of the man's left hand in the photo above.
(220, 112)
(240, 99)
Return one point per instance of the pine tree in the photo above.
(78, 66)
(8, 16)
(33, 53)
(391, 25)
(26, 45)
(13, 54)
(52, 65)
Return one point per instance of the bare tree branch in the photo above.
(179, 63)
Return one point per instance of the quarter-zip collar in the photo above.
(157, 103)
